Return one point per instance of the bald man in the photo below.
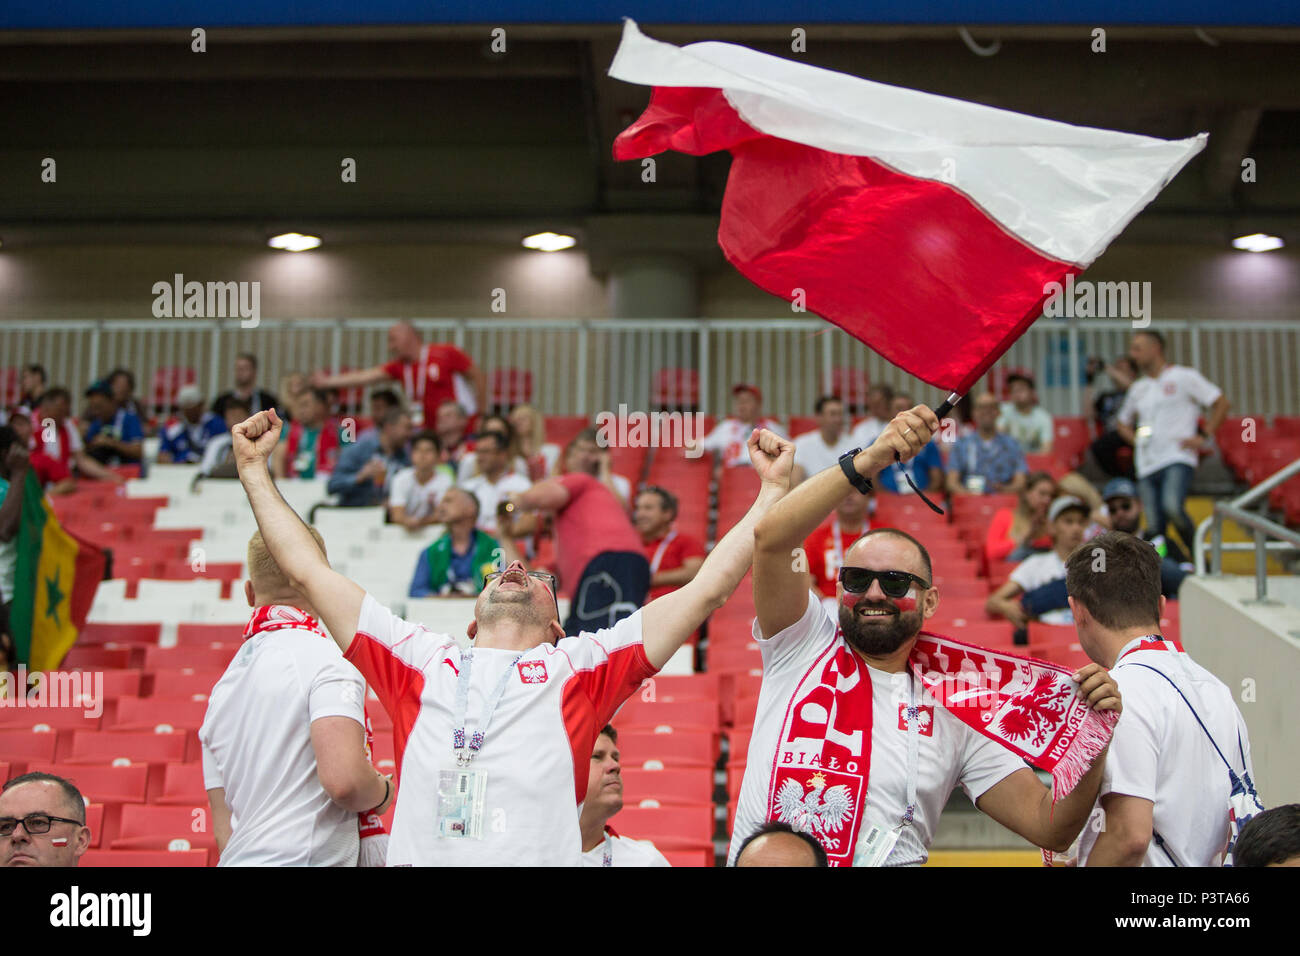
(779, 844)
(42, 822)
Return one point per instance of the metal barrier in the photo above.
(584, 366)
(1263, 529)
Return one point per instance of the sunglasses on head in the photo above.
(895, 584)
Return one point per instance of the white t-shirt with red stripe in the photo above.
(730, 439)
(537, 752)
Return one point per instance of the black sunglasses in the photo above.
(895, 584)
(33, 823)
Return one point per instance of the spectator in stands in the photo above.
(284, 739)
(1125, 510)
(8, 659)
(1159, 418)
(245, 388)
(516, 463)
(601, 846)
(417, 490)
(292, 385)
(184, 439)
(460, 559)
(121, 385)
(427, 373)
(364, 469)
(818, 673)
(495, 481)
(14, 463)
(674, 557)
(879, 401)
(986, 461)
(382, 401)
(452, 426)
(1106, 405)
(1166, 793)
(1016, 533)
(585, 455)
(824, 549)
(1271, 838)
(779, 844)
(925, 470)
(821, 448)
(1024, 419)
(42, 822)
(1036, 588)
(553, 701)
(52, 475)
(729, 436)
(114, 435)
(31, 382)
(540, 455)
(311, 446)
(218, 460)
(59, 439)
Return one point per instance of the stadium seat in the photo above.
(54, 718)
(5, 771)
(991, 634)
(958, 612)
(225, 573)
(668, 826)
(189, 591)
(95, 820)
(103, 783)
(509, 387)
(153, 713)
(146, 858)
(184, 682)
(699, 857)
(1053, 634)
(640, 714)
(668, 786)
(209, 634)
(26, 745)
(1071, 441)
(675, 388)
(214, 657)
(101, 632)
(161, 827)
(133, 746)
(183, 784)
(675, 749)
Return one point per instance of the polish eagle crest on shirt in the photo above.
(821, 812)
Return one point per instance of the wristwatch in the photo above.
(858, 481)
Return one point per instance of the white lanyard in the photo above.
(608, 857)
(913, 750)
(659, 552)
(414, 377)
(462, 705)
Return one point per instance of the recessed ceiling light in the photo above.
(293, 242)
(549, 242)
(1258, 242)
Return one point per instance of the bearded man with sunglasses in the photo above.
(833, 752)
(494, 744)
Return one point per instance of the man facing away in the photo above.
(493, 744)
(284, 738)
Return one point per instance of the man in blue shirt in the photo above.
(926, 469)
(184, 439)
(365, 467)
(114, 435)
(986, 461)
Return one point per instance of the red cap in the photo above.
(742, 387)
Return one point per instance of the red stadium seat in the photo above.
(160, 827)
(682, 687)
(802, 424)
(1053, 634)
(199, 658)
(55, 718)
(668, 826)
(92, 657)
(95, 820)
(4, 771)
(132, 746)
(27, 746)
(992, 634)
(638, 713)
(185, 682)
(1071, 440)
(700, 857)
(562, 429)
(96, 632)
(183, 784)
(227, 572)
(209, 634)
(670, 787)
(675, 388)
(958, 612)
(147, 858)
(103, 783)
(154, 713)
(676, 749)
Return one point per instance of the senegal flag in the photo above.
(54, 583)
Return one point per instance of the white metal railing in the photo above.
(1266, 535)
(583, 366)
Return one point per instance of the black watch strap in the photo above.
(858, 481)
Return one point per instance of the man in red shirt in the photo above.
(674, 557)
(825, 547)
(427, 373)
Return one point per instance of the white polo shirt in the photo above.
(1160, 753)
(730, 438)
(812, 454)
(407, 491)
(490, 494)
(800, 709)
(1165, 410)
(1037, 570)
(624, 851)
(256, 739)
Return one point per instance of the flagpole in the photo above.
(940, 412)
(948, 403)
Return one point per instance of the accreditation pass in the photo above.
(460, 803)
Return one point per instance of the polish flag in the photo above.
(929, 228)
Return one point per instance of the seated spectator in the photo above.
(417, 490)
(821, 449)
(674, 557)
(121, 387)
(184, 439)
(986, 461)
(310, 445)
(601, 846)
(1024, 419)
(824, 548)
(452, 426)
(114, 435)
(1073, 483)
(779, 844)
(382, 401)
(925, 470)
(31, 383)
(729, 437)
(42, 822)
(14, 464)
(1124, 508)
(218, 458)
(58, 438)
(1036, 589)
(246, 390)
(365, 467)
(1271, 838)
(458, 561)
(468, 466)
(1122, 373)
(291, 386)
(585, 455)
(540, 455)
(1016, 533)
(52, 474)
(879, 400)
(494, 480)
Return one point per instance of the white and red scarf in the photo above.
(279, 617)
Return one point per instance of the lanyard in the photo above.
(414, 376)
(462, 705)
(1149, 642)
(659, 552)
(913, 751)
(608, 857)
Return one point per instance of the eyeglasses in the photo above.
(545, 577)
(33, 823)
(895, 584)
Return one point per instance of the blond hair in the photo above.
(265, 574)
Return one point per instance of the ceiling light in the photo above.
(1258, 242)
(549, 242)
(293, 242)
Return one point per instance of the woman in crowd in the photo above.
(1016, 533)
(539, 454)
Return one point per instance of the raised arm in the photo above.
(357, 379)
(668, 621)
(336, 599)
(781, 591)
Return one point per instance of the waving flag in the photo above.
(927, 227)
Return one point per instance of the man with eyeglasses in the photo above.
(1124, 506)
(494, 743)
(42, 822)
(833, 752)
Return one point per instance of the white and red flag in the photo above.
(926, 227)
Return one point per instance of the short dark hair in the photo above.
(386, 395)
(824, 401)
(98, 388)
(76, 802)
(36, 369)
(501, 441)
(900, 533)
(247, 357)
(1269, 837)
(666, 498)
(1020, 377)
(234, 402)
(884, 390)
(776, 826)
(130, 376)
(7, 437)
(1152, 334)
(609, 731)
(431, 437)
(55, 393)
(1124, 590)
(320, 394)
(393, 416)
